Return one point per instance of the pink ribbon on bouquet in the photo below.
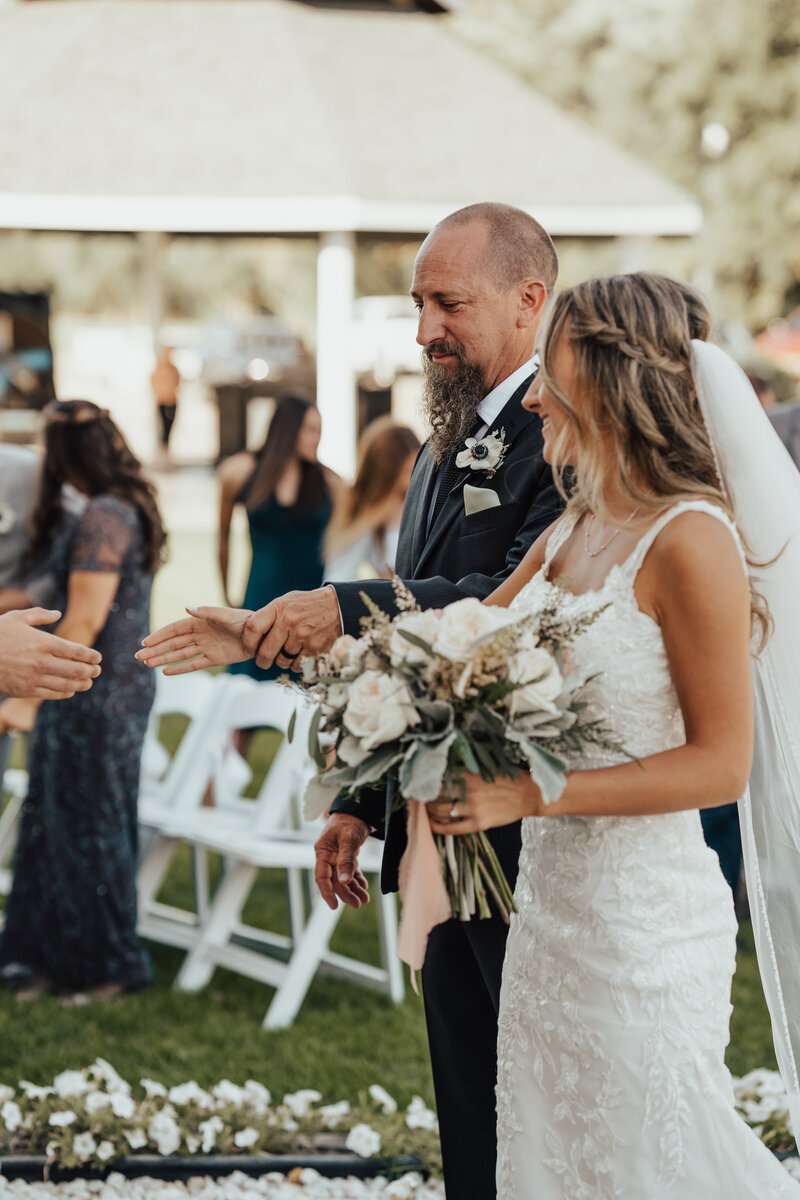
(425, 900)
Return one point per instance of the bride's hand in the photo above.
(487, 805)
(208, 637)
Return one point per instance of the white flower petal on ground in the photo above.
(72, 1083)
(34, 1092)
(363, 1140)
(112, 1079)
(95, 1102)
(208, 1131)
(164, 1132)
(419, 1116)
(6, 1093)
(105, 1151)
(136, 1138)
(11, 1114)
(153, 1088)
(300, 1103)
(245, 1138)
(332, 1115)
(226, 1092)
(83, 1146)
(382, 1097)
(257, 1096)
(190, 1093)
(122, 1105)
(61, 1119)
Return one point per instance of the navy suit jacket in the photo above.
(460, 556)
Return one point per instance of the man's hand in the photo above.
(210, 637)
(337, 872)
(38, 664)
(293, 626)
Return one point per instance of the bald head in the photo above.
(517, 246)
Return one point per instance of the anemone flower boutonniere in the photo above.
(483, 454)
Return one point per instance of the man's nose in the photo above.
(430, 328)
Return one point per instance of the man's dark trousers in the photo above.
(462, 555)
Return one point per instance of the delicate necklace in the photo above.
(600, 549)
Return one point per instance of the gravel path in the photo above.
(304, 1184)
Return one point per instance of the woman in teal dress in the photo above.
(288, 496)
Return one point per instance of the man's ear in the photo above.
(532, 301)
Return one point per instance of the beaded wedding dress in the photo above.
(615, 1001)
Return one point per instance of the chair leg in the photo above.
(302, 966)
(199, 964)
(387, 928)
(152, 872)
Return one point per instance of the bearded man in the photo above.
(480, 494)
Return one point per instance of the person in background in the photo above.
(288, 496)
(165, 382)
(361, 542)
(70, 921)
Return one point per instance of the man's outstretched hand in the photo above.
(337, 872)
(208, 637)
(39, 665)
(292, 627)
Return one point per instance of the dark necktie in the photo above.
(448, 474)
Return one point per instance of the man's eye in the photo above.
(418, 305)
(452, 306)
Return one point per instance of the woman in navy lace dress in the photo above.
(71, 916)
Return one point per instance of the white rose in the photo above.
(537, 670)
(342, 653)
(363, 1140)
(379, 710)
(463, 622)
(423, 625)
(83, 1146)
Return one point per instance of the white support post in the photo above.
(336, 384)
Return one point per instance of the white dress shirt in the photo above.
(492, 405)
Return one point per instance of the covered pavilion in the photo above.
(279, 117)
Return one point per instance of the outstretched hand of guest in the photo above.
(208, 637)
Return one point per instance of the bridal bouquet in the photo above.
(421, 699)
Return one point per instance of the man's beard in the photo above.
(450, 399)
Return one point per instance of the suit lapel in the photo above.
(415, 514)
(510, 418)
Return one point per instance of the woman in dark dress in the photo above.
(70, 921)
(288, 497)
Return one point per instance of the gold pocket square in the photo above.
(476, 499)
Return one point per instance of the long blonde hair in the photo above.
(631, 336)
(383, 450)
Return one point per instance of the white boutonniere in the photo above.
(483, 454)
(8, 518)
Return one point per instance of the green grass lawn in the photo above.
(344, 1039)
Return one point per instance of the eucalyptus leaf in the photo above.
(422, 773)
(291, 727)
(318, 795)
(417, 641)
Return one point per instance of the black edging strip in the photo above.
(33, 1168)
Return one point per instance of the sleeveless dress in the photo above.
(287, 556)
(615, 1002)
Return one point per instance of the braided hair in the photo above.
(638, 418)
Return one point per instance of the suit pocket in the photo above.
(491, 519)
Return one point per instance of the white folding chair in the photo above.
(14, 784)
(176, 784)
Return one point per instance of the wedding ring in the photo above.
(455, 815)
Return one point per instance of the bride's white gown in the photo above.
(615, 1000)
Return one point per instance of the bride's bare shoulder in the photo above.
(696, 552)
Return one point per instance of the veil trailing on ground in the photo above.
(762, 485)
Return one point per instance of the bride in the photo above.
(615, 1001)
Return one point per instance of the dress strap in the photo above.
(633, 563)
(564, 527)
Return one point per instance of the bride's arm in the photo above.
(525, 571)
(692, 582)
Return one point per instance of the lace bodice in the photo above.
(615, 1002)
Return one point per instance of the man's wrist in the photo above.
(330, 587)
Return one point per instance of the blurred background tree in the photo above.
(707, 90)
